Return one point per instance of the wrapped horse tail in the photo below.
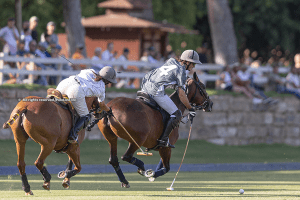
(21, 108)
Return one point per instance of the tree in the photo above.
(74, 28)
(222, 31)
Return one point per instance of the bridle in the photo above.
(205, 104)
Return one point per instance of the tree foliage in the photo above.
(259, 24)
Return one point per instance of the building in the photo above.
(127, 23)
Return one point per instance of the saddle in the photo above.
(64, 102)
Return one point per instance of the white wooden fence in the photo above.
(140, 64)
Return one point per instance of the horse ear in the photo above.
(195, 77)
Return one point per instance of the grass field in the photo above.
(97, 152)
(188, 185)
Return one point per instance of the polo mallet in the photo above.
(187, 143)
(138, 153)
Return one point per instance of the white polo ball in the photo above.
(241, 191)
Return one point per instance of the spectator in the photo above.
(21, 48)
(144, 58)
(78, 55)
(277, 83)
(9, 35)
(41, 80)
(244, 86)
(107, 55)
(297, 60)
(97, 56)
(50, 31)
(27, 37)
(125, 83)
(247, 78)
(151, 55)
(41, 50)
(33, 22)
(292, 79)
(25, 27)
(247, 58)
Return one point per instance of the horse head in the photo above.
(197, 94)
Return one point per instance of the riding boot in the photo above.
(81, 123)
(164, 141)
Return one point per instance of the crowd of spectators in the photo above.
(235, 77)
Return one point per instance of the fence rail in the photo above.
(140, 64)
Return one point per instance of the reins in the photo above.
(198, 88)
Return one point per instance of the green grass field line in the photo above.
(188, 185)
(97, 152)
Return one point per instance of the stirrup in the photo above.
(163, 143)
(71, 140)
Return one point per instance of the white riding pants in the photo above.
(166, 103)
(74, 91)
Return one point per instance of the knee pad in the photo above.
(176, 117)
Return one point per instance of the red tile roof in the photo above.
(123, 20)
(125, 4)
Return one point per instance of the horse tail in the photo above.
(22, 108)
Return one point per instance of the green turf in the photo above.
(97, 152)
(188, 185)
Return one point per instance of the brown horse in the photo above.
(145, 125)
(48, 124)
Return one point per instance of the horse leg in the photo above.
(163, 166)
(62, 174)
(113, 160)
(39, 163)
(20, 137)
(21, 165)
(128, 157)
(74, 156)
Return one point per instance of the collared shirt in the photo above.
(171, 74)
(91, 87)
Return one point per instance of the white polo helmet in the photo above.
(191, 56)
(108, 73)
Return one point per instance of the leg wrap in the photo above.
(138, 163)
(69, 165)
(46, 175)
(25, 184)
(71, 173)
(159, 166)
(160, 172)
(120, 174)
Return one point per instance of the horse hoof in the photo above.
(149, 173)
(141, 172)
(61, 174)
(124, 185)
(151, 179)
(66, 184)
(46, 185)
(29, 193)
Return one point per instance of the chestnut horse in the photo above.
(145, 125)
(48, 124)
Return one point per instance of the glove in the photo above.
(192, 114)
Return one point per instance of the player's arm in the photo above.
(183, 98)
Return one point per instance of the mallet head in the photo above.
(170, 189)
